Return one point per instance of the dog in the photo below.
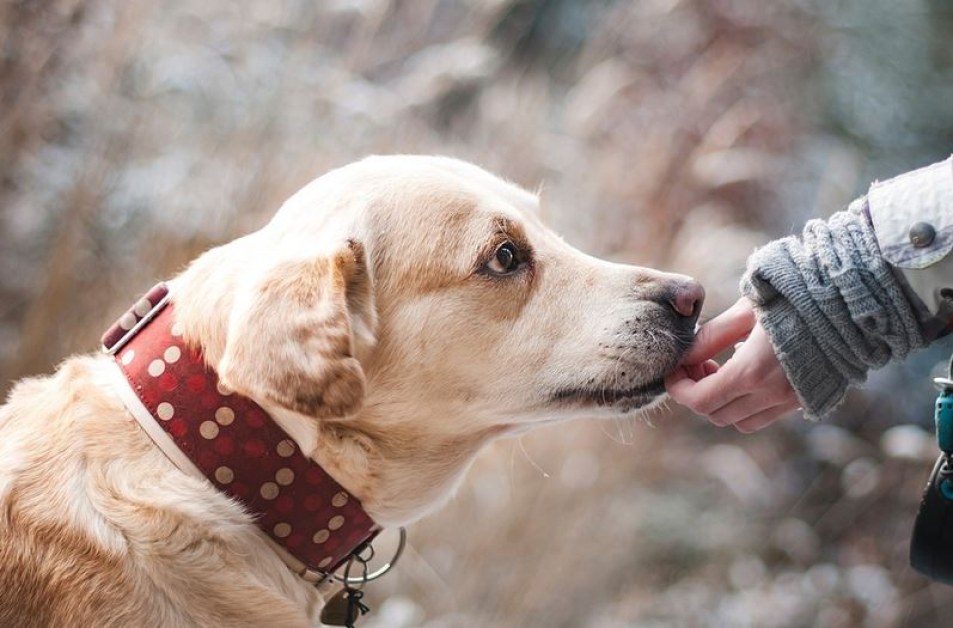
(394, 317)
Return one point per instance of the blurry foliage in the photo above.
(676, 133)
(889, 79)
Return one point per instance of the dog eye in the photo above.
(505, 260)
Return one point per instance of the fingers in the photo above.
(693, 372)
(764, 418)
(707, 394)
(721, 332)
(752, 410)
(750, 391)
(739, 409)
(700, 371)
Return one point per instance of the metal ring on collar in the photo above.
(383, 569)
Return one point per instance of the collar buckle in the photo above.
(135, 318)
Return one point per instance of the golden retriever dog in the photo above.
(395, 316)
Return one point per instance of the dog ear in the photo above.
(294, 335)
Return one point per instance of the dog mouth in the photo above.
(623, 398)
(669, 348)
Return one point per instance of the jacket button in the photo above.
(922, 234)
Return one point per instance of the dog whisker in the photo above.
(530, 459)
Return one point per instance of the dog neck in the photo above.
(399, 467)
(401, 470)
(232, 442)
(382, 454)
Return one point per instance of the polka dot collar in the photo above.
(233, 442)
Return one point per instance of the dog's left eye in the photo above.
(505, 260)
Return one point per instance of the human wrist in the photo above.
(831, 307)
(819, 385)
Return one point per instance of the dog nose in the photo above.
(687, 298)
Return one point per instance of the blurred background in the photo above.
(674, 133)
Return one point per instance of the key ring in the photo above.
(348, 580)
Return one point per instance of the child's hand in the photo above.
(750, 390)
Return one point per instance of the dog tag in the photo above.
(339, 611)
(344, 608)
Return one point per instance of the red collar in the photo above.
(235, 444)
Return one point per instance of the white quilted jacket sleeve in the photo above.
(912, 216)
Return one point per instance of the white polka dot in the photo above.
(165, 410)
(321, 536)
(156, 368)
(172, 355)
(176, 329)
(208, 430)
(222, 389)
(128, 357)
(285, 448)
(224, 475)
(269, 490)
(284, 476)
(339, 499)
(325, 563)
(127, 321)
(282, 530)
(336, 522)
(224, 415)
(142, 307)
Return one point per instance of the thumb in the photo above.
(721, 332)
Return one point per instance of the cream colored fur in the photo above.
(367, 319)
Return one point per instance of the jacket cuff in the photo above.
(912, 215)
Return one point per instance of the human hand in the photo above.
(750, 390)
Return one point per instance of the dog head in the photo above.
(423, 296)
(435, 280)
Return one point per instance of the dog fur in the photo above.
(374, 320)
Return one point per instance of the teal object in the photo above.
(944, 420)
(946, 488)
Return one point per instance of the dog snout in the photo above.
(687, 297)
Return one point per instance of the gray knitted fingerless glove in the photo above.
(831, 306)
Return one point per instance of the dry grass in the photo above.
(675, 133)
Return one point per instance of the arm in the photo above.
(821, 310)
